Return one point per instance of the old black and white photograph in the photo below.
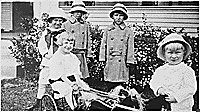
(99, 55)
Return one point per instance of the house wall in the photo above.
(163, 16)
(41, 6)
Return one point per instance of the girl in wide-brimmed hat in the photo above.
(80, 28)
(117, 46)
(47, 47)
(175, 79)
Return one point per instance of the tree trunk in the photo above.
(20, 71)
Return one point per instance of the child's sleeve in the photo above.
(77, 70)
(78, 74)
(130, 53)
(42, 45)
(156, 81)
(188, 87)
(67, 26)
(102, 54)
(89, 42)
(56, 68)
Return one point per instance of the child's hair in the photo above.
(65, 35)
(119, 12)
(174, 46)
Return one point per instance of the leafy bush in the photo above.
(24, 48)
(96, 67)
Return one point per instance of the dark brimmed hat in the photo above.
(119, 7)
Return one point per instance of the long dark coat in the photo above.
(117, 49)
(82, 47)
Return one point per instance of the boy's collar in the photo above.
(113, 26)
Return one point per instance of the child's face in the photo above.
(174, 54)
(118, 18)
(67, 45)
(57, 23)
(78, 14)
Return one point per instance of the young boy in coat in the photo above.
(175, 79)
(80, 28)
(117, 46)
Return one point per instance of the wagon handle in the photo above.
(103, 94)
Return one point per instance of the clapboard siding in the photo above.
(6, 16)
(153, 15)
(155, 20)
(163, 16)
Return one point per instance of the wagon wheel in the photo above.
(48, 103)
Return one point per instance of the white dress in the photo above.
(64, 65)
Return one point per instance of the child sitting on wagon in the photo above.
(64, 65)
(175, 79)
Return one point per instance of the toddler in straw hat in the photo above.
(175, 79)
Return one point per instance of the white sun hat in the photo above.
(119, 7)
(78, 5)
(174, 37)
(59, 13)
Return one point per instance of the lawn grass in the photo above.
(17, 94)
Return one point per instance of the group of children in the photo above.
(66, 43)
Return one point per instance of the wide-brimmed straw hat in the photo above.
(119, 7)
(174, 37)
(78, 5)
(59, 13)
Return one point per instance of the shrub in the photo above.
(24, 48)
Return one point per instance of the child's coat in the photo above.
(117, 49)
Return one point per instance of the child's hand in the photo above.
(83, 85)
(74, 86)
(48, 56)
(127, 64)
(170, 98)
(161, 91)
